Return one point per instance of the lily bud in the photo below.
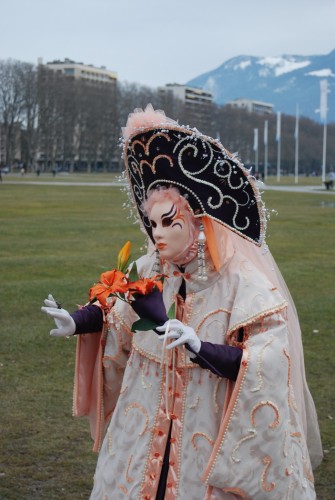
(123, 256)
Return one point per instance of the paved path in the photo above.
(263, 187)
(62, 183)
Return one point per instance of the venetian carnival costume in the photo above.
(237, 420)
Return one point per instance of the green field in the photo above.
(58, 239)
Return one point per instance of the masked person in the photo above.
(214, 403)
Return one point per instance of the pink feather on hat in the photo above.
(140, 119)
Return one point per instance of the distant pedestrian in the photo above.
(329, 183)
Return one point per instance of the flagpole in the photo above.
(324, 150)
(278, 139)
(265, 150)
(323, 116)
(296, 136)
(256, 148)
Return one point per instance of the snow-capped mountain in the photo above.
(284, 81)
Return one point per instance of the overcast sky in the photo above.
(155, 42)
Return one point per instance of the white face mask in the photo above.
(170, 230)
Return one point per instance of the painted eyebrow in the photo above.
(170, 213)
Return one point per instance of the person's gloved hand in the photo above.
(64, 322)
(184, 335)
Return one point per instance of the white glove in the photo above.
(184, 335)
(64, 322)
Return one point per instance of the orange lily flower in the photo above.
(144, 286)
(111, 283)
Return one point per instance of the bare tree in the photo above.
(11, 106)
(77, 123)
(48, 85)
(109, 129)
(29, 114)
(57, 118)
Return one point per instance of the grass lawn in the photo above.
(59, 239)
(289, 180)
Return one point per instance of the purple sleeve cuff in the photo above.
(223, 360)
(151, 307)
(88, 319)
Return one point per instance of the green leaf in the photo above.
(124, 268)
(172, 311)
(143, 324)
(133, 274)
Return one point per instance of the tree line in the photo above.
(49, 121)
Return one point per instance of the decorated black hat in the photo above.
(160, 152)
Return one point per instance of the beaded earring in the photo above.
(157, 264)
(201, 254)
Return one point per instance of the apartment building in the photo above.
(259, 107)
(197, 104)
(86, 72)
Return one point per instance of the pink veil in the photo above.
(226, 241)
